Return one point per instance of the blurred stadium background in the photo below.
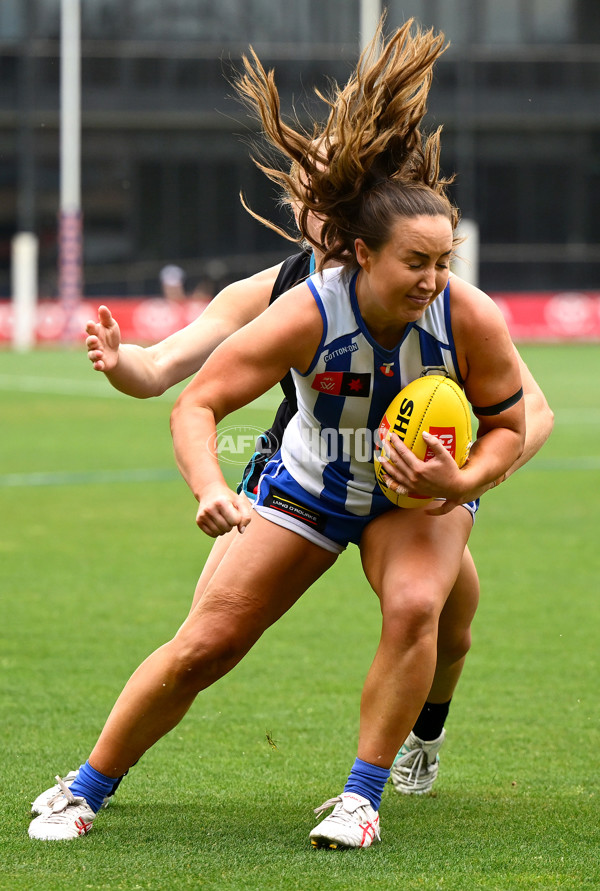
(164, 146)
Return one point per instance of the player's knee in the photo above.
(454, 645)
(199, 663)
(204, 653)
(411, 616)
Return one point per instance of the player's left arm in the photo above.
(490, 369)
(539, 421)
(493, 385)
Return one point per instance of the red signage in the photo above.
(547, 316)
(562, 316)
(141, 321)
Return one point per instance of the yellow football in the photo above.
(435, 404)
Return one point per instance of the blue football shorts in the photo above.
(282, 501)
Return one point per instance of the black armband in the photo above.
(501, 406)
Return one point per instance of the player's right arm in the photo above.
(149, 371)
(249, 363)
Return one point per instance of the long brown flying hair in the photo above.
(368, 163)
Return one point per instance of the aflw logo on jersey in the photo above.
(342, 383)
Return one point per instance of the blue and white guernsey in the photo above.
(328, 445)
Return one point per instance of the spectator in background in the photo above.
(172, 280)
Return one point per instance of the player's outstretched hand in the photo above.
(221, 510)
(103, 340)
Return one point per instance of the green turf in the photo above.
(96, 569)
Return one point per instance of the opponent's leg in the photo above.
(220, 547)
(454, 631)
(416, 766)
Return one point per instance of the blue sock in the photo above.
(368, 780)
(93, 786)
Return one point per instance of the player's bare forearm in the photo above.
(439, 477)
(143, 372)
(539, 422)
(135, 373)
(151, 371)
(194, 440)
(194, 433)
(493, 453)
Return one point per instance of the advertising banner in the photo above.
(551, 317)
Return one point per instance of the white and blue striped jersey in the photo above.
(328, 446)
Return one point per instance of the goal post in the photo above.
(24, 286)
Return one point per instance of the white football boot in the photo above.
(416, 766)
(41, 805)
(69, 817)
(352, 824)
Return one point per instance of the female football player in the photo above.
(388, 227)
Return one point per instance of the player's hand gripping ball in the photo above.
(435, 404)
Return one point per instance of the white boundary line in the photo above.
(60, 386)
(164, 474)
(87, 477)
(101, 389)
(583, 462)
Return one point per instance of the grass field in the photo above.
(98, 559)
